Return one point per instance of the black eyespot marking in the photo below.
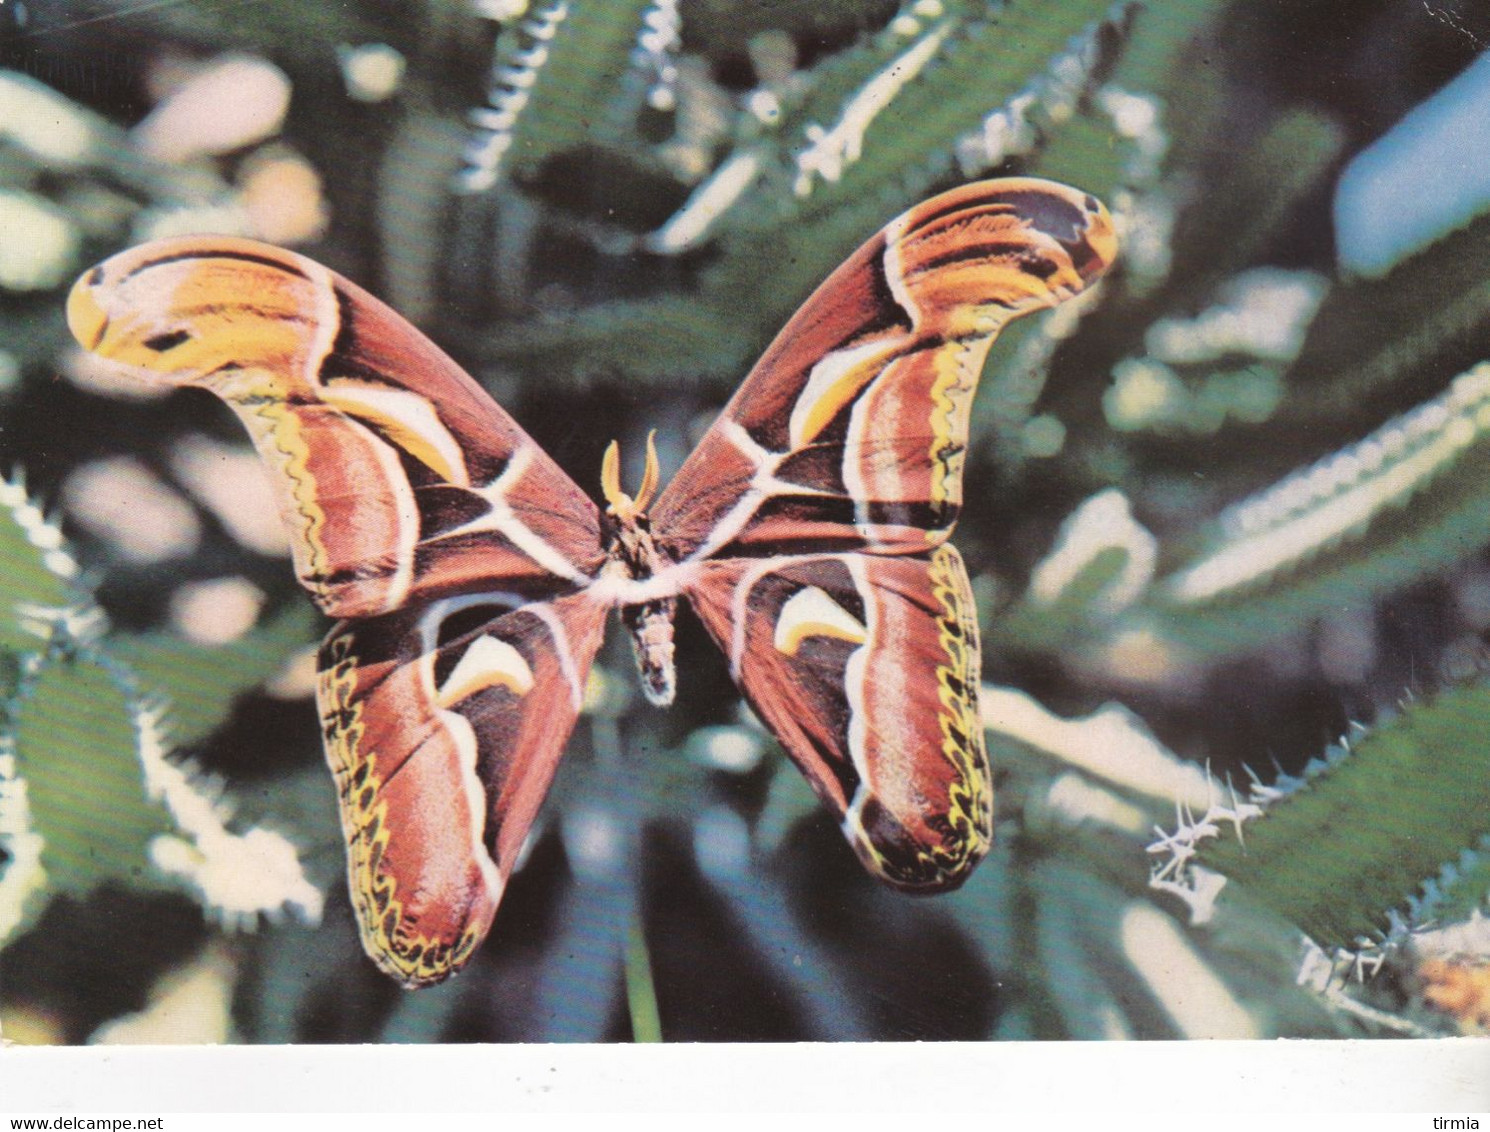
(1038, 266)
(95, 277)
(168, 341)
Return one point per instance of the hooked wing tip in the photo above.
(1074, 218)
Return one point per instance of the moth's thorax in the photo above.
(632, 556)
(630, 546)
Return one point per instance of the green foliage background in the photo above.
(1234, 585)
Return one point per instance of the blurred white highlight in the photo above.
(500, 9)
(216, 612)
(371, 72)
(1264, 313)
(1189, 991)
(297, 679)
(280, 193)
(53, 129)
(190, 1005)
(1112, 743)
(691, 223)
(235, 101)
(1075, 800)
(1104, 522)
(1144, 393)
(231, 482)
(735, 749)
(121, 501)
(594, 844)
(1145, 227)
(40, 245)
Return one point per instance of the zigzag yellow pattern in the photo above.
(281, 438)
(962, 729)
(951, 405)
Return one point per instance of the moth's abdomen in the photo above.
(651, 628)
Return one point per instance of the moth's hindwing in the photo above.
(443, 729)
(866, 668)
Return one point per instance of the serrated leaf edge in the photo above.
(237, 876)
(512, 79)
(1328, 502)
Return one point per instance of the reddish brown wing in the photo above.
(408, 494)
(399, 479)
(850, 431)
(866, 668)
(816, 512)
(444, 726)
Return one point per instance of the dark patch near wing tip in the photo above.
(1052, 214)
(1038, 265)
(1085, 259)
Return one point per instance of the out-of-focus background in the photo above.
(1227, 515)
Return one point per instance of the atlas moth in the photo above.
(471, 578)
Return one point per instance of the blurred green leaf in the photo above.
(1412, 498)
(76, 741)
(38, 576)
(202, 681)
(1372, 335)
(559, 74)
